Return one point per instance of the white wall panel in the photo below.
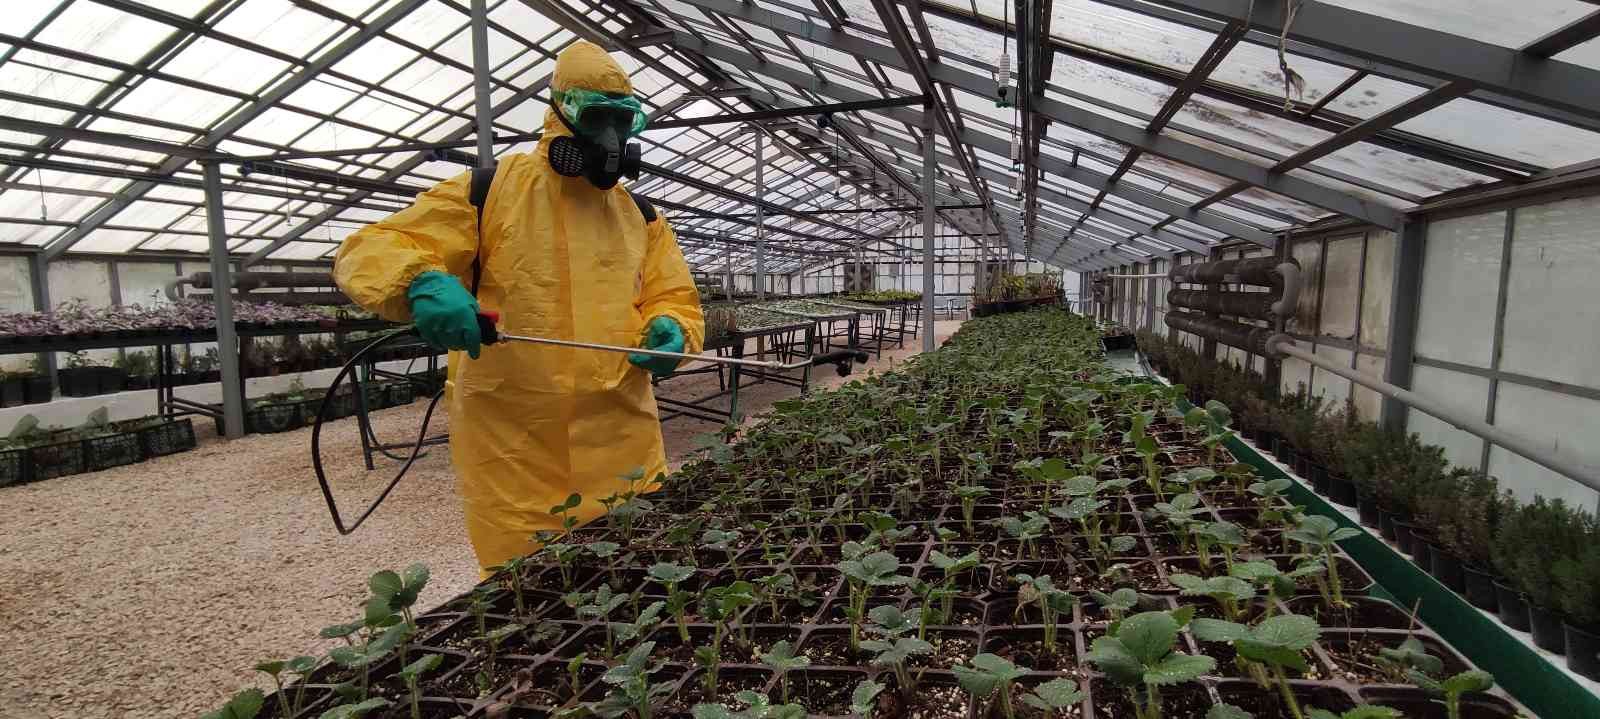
(144, 283)
(1463, 393)
(1552, 326)
(1341, 280)
(1376, 291)
(1333, 388)
(1557, 423)
(1460, 271)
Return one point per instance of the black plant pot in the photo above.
(1386, 524)
(1302, 466)
(1446, 568)
(1548, 632)
(1479, 587)
(1367, 507)
(1342, 491)
(1405, 536)
(1513, 609)
(36, 390)
(1318, 475)
(12, 392)
(1420, 552)
(1583, 651)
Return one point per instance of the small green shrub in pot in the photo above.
(1578, 592)
(1527, 548)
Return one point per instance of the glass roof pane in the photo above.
(280, 25)
(103, 32)
(1372, 95)
(43, 83)
(1256, 67)
(1586, 54)
(1506, 133)
(223, 64)
(186, 105)
(1508, 24)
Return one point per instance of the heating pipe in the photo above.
(1281, 345)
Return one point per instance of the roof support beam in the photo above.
(1367, 128)
(1087, 120)
(989, 143)
(1565, 38)
(227, 127)
(911, 62)
(1439, 54)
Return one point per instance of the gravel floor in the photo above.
(150, 590)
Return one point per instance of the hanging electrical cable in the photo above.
(44, 208)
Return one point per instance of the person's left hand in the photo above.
(663, 334)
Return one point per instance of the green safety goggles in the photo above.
(590, 112)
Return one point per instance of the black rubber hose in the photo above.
(323, 412)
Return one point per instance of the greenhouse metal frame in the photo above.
(1141, 130)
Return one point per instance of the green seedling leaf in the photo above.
(1148, 636)
(865, 697)
(1365, 711)
(1472, 680)
(782, 657)
(352, 711)
(1178, 668)
(385, 584)
(669, 573)
(1228, 711)
(1054, 695)
(889, 620)
(427, 663)
(244, 705)
(1411, 654)
(273, 668)
(898, 651)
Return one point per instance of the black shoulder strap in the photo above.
(482, 180)
(645, 208)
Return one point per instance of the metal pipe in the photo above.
(1255, 305)
(1246, 337)
(1280, 345)
(929, 167)
(1282, 275)
(227, 339)
(482, 107)
(249, 281)
(761, 220)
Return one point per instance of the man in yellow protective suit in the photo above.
(564, 253)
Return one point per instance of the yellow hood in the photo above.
(586, 65)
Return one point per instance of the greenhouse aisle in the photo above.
(111, 608)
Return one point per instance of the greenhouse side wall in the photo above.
(1509, 331)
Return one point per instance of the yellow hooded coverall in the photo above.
(531, 424)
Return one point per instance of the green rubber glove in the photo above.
(665, 335)
(445, 314)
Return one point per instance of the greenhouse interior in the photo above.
(735, 359)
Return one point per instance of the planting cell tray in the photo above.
(784, 513)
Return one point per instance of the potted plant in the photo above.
(1530, 543)
(36, 383)
(77, 378)
(139, 367)
(13, 391)
(1578, 590)
(1438, 514)
(1466, 531)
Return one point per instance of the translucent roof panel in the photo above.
(1508, 24)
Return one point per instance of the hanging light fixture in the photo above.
(1016, 151)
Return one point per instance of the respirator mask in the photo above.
(598, 149)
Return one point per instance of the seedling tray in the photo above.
(871, 482)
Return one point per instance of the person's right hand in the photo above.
(445, 314)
